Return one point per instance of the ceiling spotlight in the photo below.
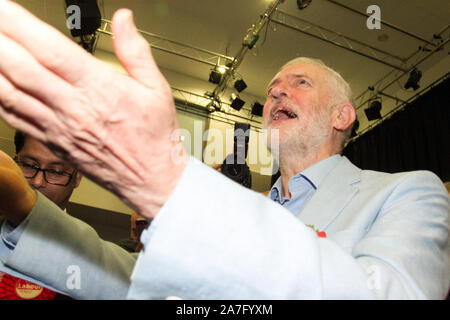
(210, 107)
(84, 25)
(240, 85)
(89, 21)
(302, 4)
(373, 111)
(221, 69)
(215, 76)
(213, 106)
(413, 80)
(354, 129)
(237, 103)
(257, 109)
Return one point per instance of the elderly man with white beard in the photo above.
(329, 230)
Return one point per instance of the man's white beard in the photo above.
(296, 142)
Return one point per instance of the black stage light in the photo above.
(240, 85)
(373, 111)
(213, 106)
(354, 129)
(302, 4)
(237, 103)
(215, 77)
(257, 109)
(90, 17)
(413, 80)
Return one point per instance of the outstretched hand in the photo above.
(117, 129)
(17, 198)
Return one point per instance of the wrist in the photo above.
(148, 197)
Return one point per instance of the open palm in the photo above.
(116, 128)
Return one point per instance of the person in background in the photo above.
(447, 186)
(137, 225)
(56, 179)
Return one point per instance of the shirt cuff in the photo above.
(194, 168)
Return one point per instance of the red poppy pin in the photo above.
(320, 234)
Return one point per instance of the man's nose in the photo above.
(279, 90)
(38, 181)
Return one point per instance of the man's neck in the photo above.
(292, 164)
(63, 205)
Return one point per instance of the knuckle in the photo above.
(9, 97)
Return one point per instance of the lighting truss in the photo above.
(398, 108)
(174, 47)
(196, 103)
(414, 60)
(338, 39)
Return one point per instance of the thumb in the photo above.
(17, 198)
(133, 51)
(7, 162)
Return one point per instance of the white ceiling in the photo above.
(220, 26)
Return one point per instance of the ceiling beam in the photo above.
(382, 85)
(337, 39)
(385, 23)
(176, 48)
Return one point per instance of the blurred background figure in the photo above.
(447, 186)
(137, 225)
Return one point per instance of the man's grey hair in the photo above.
(341, 88)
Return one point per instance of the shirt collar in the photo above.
(314, 175)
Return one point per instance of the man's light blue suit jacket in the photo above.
(387, 238)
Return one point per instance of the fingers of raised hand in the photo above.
(24, 112)
(26, 74)
(134, 52)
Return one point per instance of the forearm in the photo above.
(228, 242)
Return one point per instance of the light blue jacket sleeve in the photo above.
(9, 237)
(50, 248)
(214, 239)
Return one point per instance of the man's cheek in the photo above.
(266, 116)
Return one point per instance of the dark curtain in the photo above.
(416, 138)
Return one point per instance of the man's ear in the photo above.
(344, 117)
(78, 179)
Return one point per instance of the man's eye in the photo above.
(303, 81)
(56, 172)
(28, 165)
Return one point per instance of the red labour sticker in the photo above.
(12, 288)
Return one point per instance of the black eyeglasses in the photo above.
(51, 176)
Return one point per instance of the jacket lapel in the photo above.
(332, 196)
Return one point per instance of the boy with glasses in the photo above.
(45, 172)
(54, 178)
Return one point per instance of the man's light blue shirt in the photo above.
(303, 185)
